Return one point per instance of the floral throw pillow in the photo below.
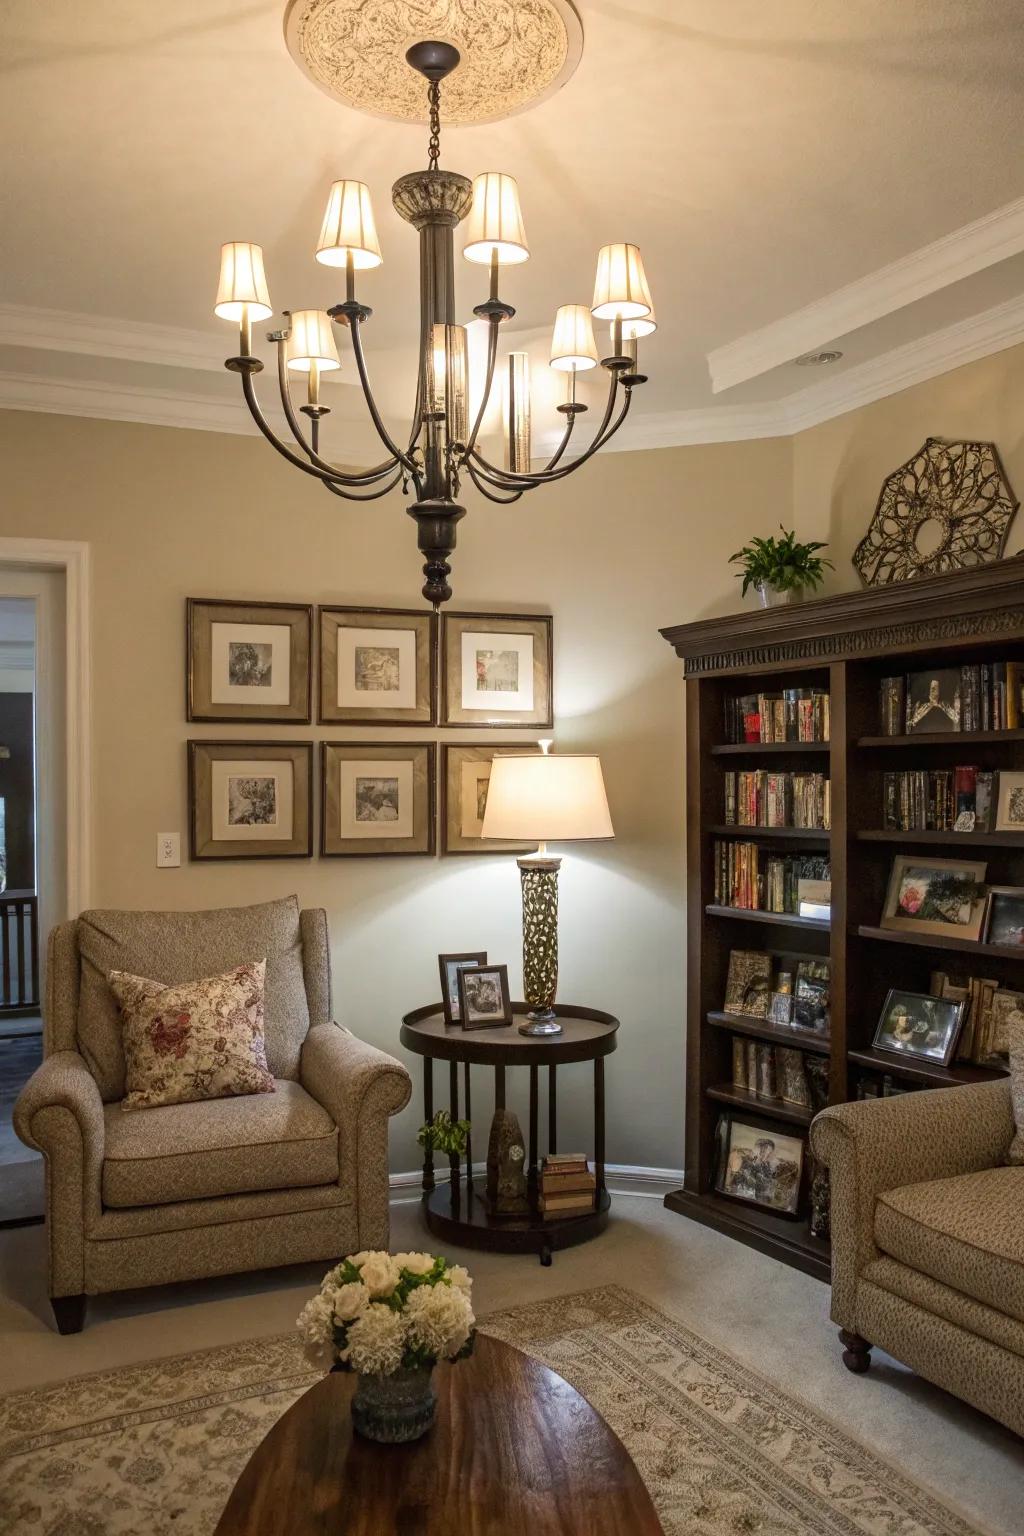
(193, 1040)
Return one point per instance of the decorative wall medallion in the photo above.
(514, 53)
(947, 509)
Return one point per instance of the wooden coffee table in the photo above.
(515, 1450)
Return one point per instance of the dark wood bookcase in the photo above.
(847, 644)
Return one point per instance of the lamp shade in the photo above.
(311, 342)
(548, 799)
(242, 289)
(348, 227)
(620, 289)
(636, 330)
(572, 341)
(495, 223)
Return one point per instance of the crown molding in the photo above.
(988, 240)
(123, 402)
(137, 341)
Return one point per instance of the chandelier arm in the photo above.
(368, 495)
(382, 431)
(509, 479)
(255, 411)
(481, 483)
(492, 353)
(563, 445)
(341, 477)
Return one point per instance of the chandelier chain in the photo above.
(434, 146)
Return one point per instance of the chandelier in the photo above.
(442, 448)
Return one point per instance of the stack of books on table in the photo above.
(566, 1185)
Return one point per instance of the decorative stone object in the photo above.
(514, 53)
(506, 1162)
(948, 508)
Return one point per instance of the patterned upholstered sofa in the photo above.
(928, 1239)
(191, 1190)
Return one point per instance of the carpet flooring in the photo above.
(155, 1449)
(770, 1318)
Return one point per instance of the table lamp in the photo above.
(546, 799)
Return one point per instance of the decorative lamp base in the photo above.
(540, 943)
(541, 1021)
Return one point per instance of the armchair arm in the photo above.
(360, 1087)
(879, 1144)
(60, 1113)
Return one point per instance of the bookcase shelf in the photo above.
(845, 644)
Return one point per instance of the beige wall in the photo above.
(635, 541)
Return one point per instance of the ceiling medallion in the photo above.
(949, 508)
(514, 52)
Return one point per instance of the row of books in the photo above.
(780, 1072)
(983, 696)
(566, 1185)
(795, 714)
(762, 798)
(794, 992)
(757, 880)
(983, 1036)
(938, 800)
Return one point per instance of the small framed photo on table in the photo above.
(250, 799)
(248, 662)
(945, 897)
(377, 798)
(378, 666)
(914, 1024)
(465, 775)
(450, 966)
(496, 670)
(484, 1001)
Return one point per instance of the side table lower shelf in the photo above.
(463, 1218)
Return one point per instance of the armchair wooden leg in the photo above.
(69, 1312)
(856, 1352)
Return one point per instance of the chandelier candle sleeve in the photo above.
(448, 380)
(517, 415)
(544, 799)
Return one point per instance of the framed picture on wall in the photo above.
(465, 774)
(250, 799)
(378, 666)
(248, 661)
(496, 670)
(377, 798)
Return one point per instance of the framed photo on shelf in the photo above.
(378, 666)
(248, 661)
(449, 967)
(759, 1166)
(465, 774)
(484, 1001)
(496, 670)
(913, 1024)
(377, 798)
(933, 701)
(250, 799)
(748, 984)
(1010, 802)
(1004, 916)
(945, 897)
(1007, 1025)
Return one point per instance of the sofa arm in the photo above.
(360, 1087)
(60, 1113)
(879, 1144)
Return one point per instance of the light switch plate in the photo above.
(168, 850)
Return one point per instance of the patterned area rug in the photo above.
(155, 1449)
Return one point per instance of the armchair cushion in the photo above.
(281, 1140)
(186, 946)
(967, 1232)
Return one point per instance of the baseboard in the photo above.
(623, 1179)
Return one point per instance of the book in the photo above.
(566, 1183)
(565, 1205)
(564, 1162)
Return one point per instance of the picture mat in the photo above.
(223, 770)
(277, 636)
(489, 700)
(349, 641)
(349, 775)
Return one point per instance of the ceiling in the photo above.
(796, 174)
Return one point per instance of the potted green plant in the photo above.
(780, 570)
(443, 1134)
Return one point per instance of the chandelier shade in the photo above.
(349, 229)
(495, 226)
(636, 330)
(620, 288)
(311, 342)
(242, 290)
(573, 347)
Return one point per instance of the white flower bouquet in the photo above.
(379, 1313)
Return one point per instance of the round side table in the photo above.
(459, 1211)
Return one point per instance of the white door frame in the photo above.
(72, 559)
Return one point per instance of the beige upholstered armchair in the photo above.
(928, 1239)
(211, 1188)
